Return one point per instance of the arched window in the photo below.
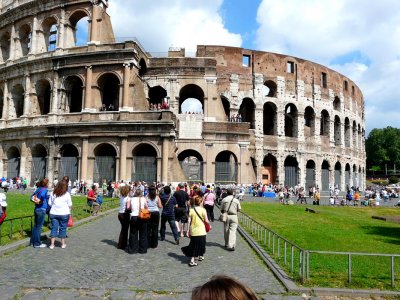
(157, 95)
(347, 132)
(226, 168)
(77, 34)
(309, 122)
(336, 103)
(142, 67)
(338, 175)
(337, 131)
(325, 127)
(347, 176)
(227, 107)
(25, 39)
(269, 169)
(325, 176)
(5, 43)
(144, 163)
(17, 94)
(355, 135)
(69, 162)
(47, 39)
(191, 91)
(104, 163)
(247, 112)
(43, 92)
(269, 118)
(310, 174)
(291, 120)
(191, 163)
(74, 93)
(109, 90)
(269, 89)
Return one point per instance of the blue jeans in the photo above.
(171, 221)
(40, 214)
(59, 226)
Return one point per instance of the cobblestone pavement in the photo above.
(91, 267)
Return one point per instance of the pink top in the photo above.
(209, 198)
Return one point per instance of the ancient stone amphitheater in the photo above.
(100, 110)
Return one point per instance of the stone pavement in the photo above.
(91, 267)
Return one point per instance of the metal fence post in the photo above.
(292, 262)
(349, 268)
(392, 267)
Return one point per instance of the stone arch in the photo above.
(325, 123)
(310, 174)
(74, 93)
(354, 135)
(77, 27)
(104, 163)
(39, 163)
(144, 163)
(309, 122)
(227, 107)
(47, 38)
(247, 111)
(325, 182)
(291, 116)
(25, 39)
(5, 44)
(337, 131)
(291, 171)
(191, 163)
(43, 93)
(17, 94)
(191, 91)
(69, 162)
(269, 169)
(226, 168)
(347, 176)
(347, 132)
(336, 103)
(13, 162)
(355, 176)
(109, 86)
(157, 95)
(338, 175)
(142, 67)
(270, 88)
(270, 119)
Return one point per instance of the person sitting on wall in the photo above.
(103, 107)
(110, 107)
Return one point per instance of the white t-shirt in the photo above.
(135, 205)
(60, 206)
(3, 201)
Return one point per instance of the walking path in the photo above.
(91, 267)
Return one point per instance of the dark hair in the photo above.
(222, 287)
(61, 188)
(124, 190)
(138, 193)
(66, 178)
(229, 191)
(94, 187)
(43, 182)
(167, 190)
(152, 192)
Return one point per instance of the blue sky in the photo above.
(358, 38)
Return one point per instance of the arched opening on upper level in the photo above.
(17, 95)
(47, 37)
(191, 91)
(269, 118)
(227, 107)
(74, 93)
(142, 67)
(247, 111)
(309, 122)
(325, 123)
(77, 34)
(336, 103)
(109, 86)
(347, 132)
(5, 44)
(291, 116)
(43, 92)
(269, 89)
(157, 96)
(25, 39)
(354, 135)
(337, 131)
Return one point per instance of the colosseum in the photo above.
(105, 110)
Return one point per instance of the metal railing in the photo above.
(21, 227)
(299, 259)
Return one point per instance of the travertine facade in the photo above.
(300, 122)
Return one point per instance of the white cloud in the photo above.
(161, 24)
(322, 31)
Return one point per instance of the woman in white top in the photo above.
(124, 216)
(154, 205)
(61, 203)
(138, 228)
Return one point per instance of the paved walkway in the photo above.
(91, 267)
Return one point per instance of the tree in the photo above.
(383, 147)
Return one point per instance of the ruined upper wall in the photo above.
(245, 63)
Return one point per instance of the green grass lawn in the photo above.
(341, 229)
(20, 211)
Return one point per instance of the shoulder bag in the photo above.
(224, 215)
(144, 213)
(207, 225)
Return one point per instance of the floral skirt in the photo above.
(196, 247)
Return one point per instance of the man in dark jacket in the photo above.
(181, 212)
(168, 202)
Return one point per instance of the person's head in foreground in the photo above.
(222, 287)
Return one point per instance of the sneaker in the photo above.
(201, 258)
(231, 249)
(40, 246)
(51, 247)
(177, 241)
(63, 246)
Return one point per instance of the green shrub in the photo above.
(379, 181)
(393, 179)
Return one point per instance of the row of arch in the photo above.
(45, 37)
(144, 163)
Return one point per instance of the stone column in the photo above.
(61, 30)
(93, 25)
(165, 154)
(22, 166)
(84, 160)
(122, 161)
(54, 93)
(88, 90)
(5, 101)
(50, 161)
(27, 105)
(12, 43)
(125, 89)
(34, 37)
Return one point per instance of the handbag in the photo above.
(206, 225)
(144, 213)
(224, 215)
(70, 221)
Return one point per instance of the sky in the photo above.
(358, 38)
